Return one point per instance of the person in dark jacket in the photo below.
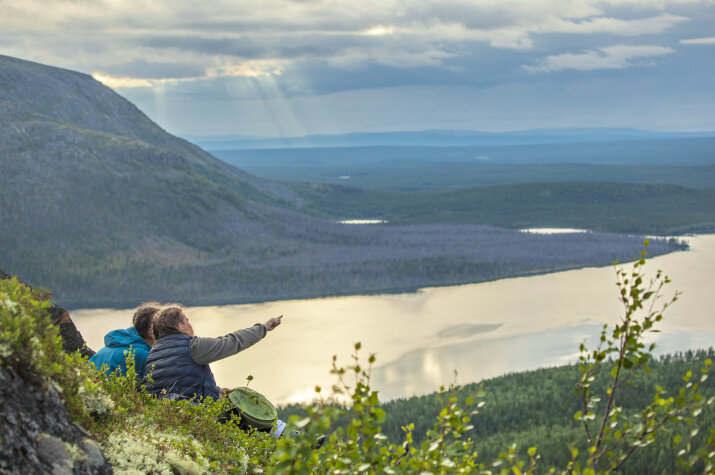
(179, 362)
(137, 340)
(178, 365)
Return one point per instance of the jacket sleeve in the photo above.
(208, 350)
(140, 356)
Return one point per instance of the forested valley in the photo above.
(104, 208)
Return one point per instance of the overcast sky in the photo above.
(286, 68)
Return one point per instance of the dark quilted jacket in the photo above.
(175, 374)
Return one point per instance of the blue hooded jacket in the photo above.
(116, 343)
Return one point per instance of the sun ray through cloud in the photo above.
(290, 53)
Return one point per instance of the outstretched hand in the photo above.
(273, 322)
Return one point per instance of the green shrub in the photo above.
(173, 436)
(31, 345)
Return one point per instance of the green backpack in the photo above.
(254, 408)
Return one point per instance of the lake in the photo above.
(421, 339)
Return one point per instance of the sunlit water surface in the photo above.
(421, 339)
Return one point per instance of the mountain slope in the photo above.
(62, 130)
(101, 206)
(87, 179)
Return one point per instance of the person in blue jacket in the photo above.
(137, 339)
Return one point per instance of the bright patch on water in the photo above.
(553, 230)
(363, 221)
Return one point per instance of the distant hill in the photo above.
(678, 161)
(103, 207)
(439, 138)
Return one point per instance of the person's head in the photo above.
(142, 320)
(170, 320)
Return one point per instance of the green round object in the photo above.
(254, 407)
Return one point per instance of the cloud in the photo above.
(610, 57)
(249, 69)
(379, 30)
(122, 82)
(699, 41)
(388, 32)
(616, 26)
(143, 69)
(284, 49)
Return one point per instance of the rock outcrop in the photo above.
(37, 434)
(72, 339)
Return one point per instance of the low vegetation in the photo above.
(609, 207)
(140, 433)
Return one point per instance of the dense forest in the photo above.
(535, 408)
(327, 259)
